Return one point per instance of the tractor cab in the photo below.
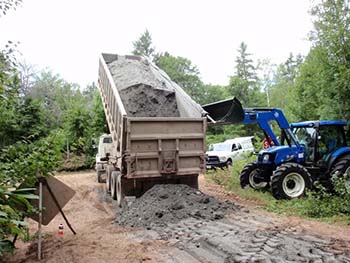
(322, 140)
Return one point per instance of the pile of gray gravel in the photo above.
(170, 203)
(143, 92)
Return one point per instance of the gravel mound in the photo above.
(170, 203)
(143, 92)
(145, 101)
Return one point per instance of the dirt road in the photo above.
(248, 235)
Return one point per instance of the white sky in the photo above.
(67, 36)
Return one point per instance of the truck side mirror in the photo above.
(93, 142)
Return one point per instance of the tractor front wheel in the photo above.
(290, 180)
(250, 175)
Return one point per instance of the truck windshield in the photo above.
(220, 147)
(107, 140)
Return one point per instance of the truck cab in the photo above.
(224, 154)
(104, 148)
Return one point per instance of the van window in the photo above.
(107, 140)
(239, 147)
(234, 148)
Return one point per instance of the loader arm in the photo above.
(231, 112)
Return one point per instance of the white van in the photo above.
(226, 153)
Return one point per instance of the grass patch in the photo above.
(320, 204)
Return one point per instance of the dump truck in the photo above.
(158, 131)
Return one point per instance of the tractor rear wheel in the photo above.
(249, 177)
(342, 170)
(290, 180)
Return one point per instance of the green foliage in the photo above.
(21, 164)
(184, 73)
(283, 85)
(143, 46)
(213, 93)
(319, 203)
(244, 84)
(324, 83)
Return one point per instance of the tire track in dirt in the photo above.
(243, 236)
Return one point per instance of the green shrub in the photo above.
(319, 203)
(21, 164)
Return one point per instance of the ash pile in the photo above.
(166, 204)
(147, 91)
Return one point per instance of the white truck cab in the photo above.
(224, 154)
(105, 144)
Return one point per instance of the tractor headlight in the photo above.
(266, 158)
(223, 158)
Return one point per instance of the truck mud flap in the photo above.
(225, 112)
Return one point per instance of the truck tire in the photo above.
(109, 170)
(113, 185)
(228, 163)
(342, 170)
(247, 177)
(290, 180)
(98, 176)
(119, 190)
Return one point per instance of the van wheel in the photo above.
(229, 163)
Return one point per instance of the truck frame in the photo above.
(148, 150)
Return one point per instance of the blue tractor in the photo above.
(304, 153)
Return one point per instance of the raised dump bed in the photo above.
(158, 131)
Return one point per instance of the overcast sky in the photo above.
(67, 36)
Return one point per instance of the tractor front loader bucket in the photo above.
(225, 112)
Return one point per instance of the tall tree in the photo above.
(244, 64)
(282, 86)
(324, 78)
(143, 46)
(244, 84)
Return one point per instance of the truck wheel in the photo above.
(109, 170)
(228, 163)
(248, 177)
(113, 185)
(342, 170)
(98, 176)
(290, 180)
(119, 189)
